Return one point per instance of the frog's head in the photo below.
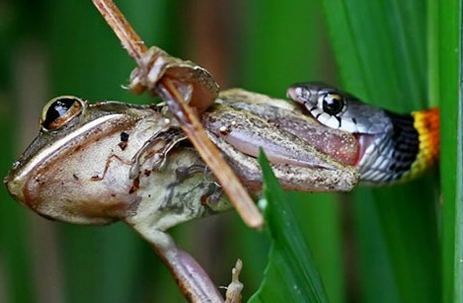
(76, 170)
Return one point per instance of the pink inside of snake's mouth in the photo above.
(364, 141)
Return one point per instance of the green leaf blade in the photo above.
(281, 45)
(450, 93)
(383, 60)
(290, 275)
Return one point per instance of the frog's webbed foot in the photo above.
(194, 82)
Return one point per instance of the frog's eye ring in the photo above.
(59, 111)
(333, 103)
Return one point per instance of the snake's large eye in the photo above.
(333, 103)
(59, 111)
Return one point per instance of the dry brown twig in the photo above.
(166, 87)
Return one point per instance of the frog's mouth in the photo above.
(14, 187)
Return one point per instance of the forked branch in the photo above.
(166, 87)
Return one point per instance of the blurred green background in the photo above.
(382, 245)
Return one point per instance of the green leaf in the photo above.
(449, 58)
(381, 50)
(280, 44)
(291, 275)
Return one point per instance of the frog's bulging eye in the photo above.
(333, 103)
(59, 111)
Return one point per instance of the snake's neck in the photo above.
(402, 152)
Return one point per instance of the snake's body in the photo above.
(393, 147)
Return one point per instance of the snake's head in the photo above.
(337, 109)
(390, 145)
(378, 132)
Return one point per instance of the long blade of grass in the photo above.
(283, 44)
(291, 275)
(450, 79)
(380, 47)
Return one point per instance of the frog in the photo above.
(113, 161)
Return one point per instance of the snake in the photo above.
(393, 148)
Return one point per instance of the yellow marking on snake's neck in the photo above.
(427, 123)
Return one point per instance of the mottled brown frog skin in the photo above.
(112, 161)
(80, 173)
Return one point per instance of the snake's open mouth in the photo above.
(366, 148)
